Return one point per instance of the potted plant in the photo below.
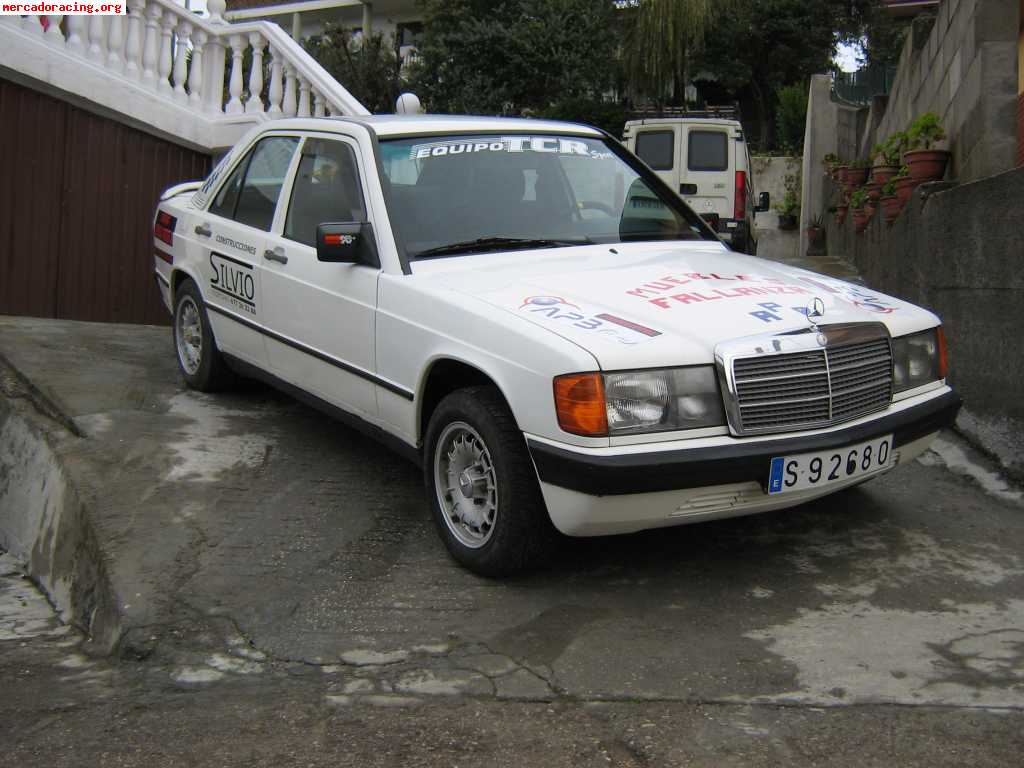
(924, 161)
(857, 173)
(891, 206)
(860, 217)
(887, 157)
(815, 232)
(831, 162)
(874, 190)
(904, 185)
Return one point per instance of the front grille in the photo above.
(810, 389)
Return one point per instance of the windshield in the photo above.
(473, 193)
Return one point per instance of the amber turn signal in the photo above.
(579, 403)
(940, 335)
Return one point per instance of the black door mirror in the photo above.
(763, 203)
(347, 243)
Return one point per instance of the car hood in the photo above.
(650, 305)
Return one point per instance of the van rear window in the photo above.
(655, 149)
(708, 151)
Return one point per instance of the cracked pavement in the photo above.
(285, 600)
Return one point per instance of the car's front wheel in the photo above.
(482, 486)
(201, 363)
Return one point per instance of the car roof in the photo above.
(393, 126)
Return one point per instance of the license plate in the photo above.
(813, 470)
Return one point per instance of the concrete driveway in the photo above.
(245, 540)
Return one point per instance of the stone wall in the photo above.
(960, 252)
(769, 175)
(964, 69)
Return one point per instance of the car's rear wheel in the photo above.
(200, 362)
(482, 486)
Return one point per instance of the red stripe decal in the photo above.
(168, 257)
(627, 324)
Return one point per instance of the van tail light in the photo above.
(739, 211)
(163, 227)
(943, 352)
(579, 404)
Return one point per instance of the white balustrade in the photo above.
(165, 62)
(276, 90)
(77, 26)
(97, 38)
(303, 97)
(133, 45)
(234, 105)
(179, 59)
(289, 107)
(151, 44)
(195, 73)
(255, 102)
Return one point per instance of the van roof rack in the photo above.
(708, 112)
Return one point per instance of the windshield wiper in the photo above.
(497, 243)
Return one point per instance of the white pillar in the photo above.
(276, 90)
(151, 44)
(289, 107)
(367, 19)
(77, 25)
(166, 61)
(255, 101)
(195, 74)
(234, 105)
(53, 33)
(303, 97)
(97, 37)
(133, 47)
(181, 62)
(297, 26)
(115, 43)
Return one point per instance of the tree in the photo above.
(504, 57)
(367, 66)
(664, 36)
(760, 46)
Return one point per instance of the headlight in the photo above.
(918, 359)
(637, 402)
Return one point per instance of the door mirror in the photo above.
(763, 203)
(347, 243)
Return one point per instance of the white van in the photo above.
(702, 155)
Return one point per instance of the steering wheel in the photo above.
(596, 206)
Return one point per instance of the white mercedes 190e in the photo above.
(528, 311)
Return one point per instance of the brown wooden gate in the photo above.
(77, 193)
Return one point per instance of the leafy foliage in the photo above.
(791, 117)
(487, 58)
(607, 115)
(367, 66)
(925, 131)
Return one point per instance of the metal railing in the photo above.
(860, 87)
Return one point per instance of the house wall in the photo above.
(965, 71)
(958, 252)
(78, 193)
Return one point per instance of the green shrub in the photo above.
(791, 117)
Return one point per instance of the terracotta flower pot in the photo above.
(814, 235)
(874, 190)
(891, 208)
(841, 214)
(856, 176)
(882, 173)
(841, 172)
(869, 208)
(860, 219)
(904, 188)
(926, 164)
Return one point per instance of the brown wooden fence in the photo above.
(77, 193)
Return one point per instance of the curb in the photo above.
(45, 523)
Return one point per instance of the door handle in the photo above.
(204, 230)
(275, 255)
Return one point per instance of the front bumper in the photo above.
(604, 491)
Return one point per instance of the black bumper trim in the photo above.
(743, 462)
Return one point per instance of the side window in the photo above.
(656, 149)
(264, 177)
(708, 151)
(326, 189)
(224, 203)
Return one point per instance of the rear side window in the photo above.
(655, 148)
(326, 190)
(708, 151)
(264, 177)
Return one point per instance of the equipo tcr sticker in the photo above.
(558, 311)
(513, 144)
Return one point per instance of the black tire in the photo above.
(208, 372)
(522, 535)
